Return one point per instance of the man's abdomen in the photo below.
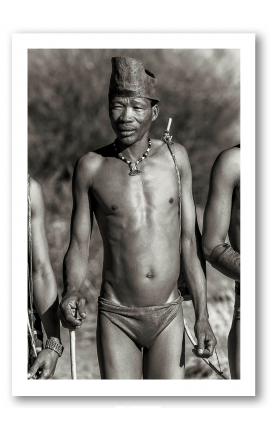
(141, 268)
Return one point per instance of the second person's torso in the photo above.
(138, 218)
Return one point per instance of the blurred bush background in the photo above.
(68, 116)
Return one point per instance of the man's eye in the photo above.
(137, 108)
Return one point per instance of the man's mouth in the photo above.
(126, 131)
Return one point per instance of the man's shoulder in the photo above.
(87, 168)
(229, 159)
(91, 161)
(179, 150)
(34, 185)
(35, 189)
(227, 164)
(181, 155)
(36, 196)
(94, 159)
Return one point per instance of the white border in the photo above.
(20, 44)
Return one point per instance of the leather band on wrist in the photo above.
(55, 346)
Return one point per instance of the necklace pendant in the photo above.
(135, 172)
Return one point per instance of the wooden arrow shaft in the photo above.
(72, 339)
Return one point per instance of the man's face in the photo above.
(131, 118)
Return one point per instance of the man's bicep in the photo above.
(218, 208)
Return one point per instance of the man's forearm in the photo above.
(46, 302)
(195, 277)
(226, 260)
(75, 269)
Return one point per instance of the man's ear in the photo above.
(155, 112)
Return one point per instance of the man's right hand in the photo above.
(72, 310)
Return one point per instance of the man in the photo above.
(222, 217)
(131, 186)
(42, 297)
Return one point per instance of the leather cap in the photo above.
(130, 79)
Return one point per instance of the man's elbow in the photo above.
(42, 270)
(189, 245)
(207, 248)
(193, 249)
(206, 253)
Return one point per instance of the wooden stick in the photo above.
(72, 340)
(169, 124)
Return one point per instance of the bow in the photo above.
(167, 138)
(32, 340)
(189, 335)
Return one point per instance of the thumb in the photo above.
(81, 307)
(200, 345)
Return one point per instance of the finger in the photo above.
(74, 326)
(75, 312)
(33, 370)
(68, 325)
(70, 320)
(201, 354)
(44, 375)
(81, 307)
(210, 346)
(200, 345)
(66, 305)
(205, 354)
(208, 351)
(30, 376)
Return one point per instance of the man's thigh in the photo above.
(166, 357)
(119, 357)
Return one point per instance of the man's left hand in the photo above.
(46, 363)
(206, 340)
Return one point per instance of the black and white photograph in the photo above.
(132, 197)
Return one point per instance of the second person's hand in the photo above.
(72, 310)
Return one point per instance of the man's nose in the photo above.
(126, 115)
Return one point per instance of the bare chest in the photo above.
(151, 194)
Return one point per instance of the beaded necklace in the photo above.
(133, 166)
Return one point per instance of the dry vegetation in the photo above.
(68, 117)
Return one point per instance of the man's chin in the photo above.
(127, 140)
